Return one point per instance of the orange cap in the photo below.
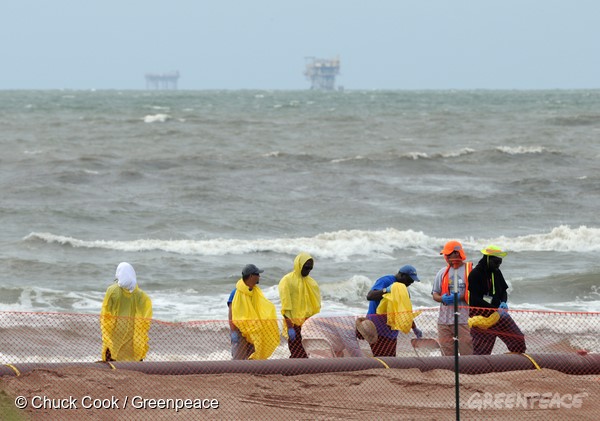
(452, 246)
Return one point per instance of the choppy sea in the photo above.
(189, 186)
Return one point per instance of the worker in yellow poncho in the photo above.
(252, 319)
(125, 318)
(300, 298)
(398, 307)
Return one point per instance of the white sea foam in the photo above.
(34, 298)
(338, 245)
(577, 305)
(520, 150)
(560, 239)
(348, 290)
(460, 152)
(340, 160)
(416, 155)
(157, 118)
(174, 305)
(272, 154)
(451, 154)
(341, 245)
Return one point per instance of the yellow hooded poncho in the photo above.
(256, 318)
(300, 295)
(125, 321)
(398, 307)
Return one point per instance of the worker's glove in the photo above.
(292, 333)
(502, 308)
(448, 299)
(235, 336)
(417, 332)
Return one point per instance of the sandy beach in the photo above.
(370, 394)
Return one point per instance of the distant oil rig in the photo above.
(162, 80)
(322, 72)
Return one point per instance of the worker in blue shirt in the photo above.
(386, 337)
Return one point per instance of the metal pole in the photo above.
(456, 366)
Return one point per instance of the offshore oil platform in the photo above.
(162, 80)
(322, 72)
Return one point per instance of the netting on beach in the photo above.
(340, 360)
(69, 338)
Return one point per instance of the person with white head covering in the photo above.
(125, 318)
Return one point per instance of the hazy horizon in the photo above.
(231, 45)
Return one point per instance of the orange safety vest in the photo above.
(446, 280)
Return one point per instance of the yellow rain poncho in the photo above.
(483, 322)
(398, 307)
(256, 318)
(125, 318)
(300, 295)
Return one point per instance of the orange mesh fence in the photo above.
(526, 364)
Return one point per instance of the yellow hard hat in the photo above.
(492, 250)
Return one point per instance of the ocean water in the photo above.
(189, 186)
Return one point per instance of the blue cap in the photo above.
(410, 271)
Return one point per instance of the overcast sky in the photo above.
(262, 44)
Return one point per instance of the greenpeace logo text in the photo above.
(526, 400)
